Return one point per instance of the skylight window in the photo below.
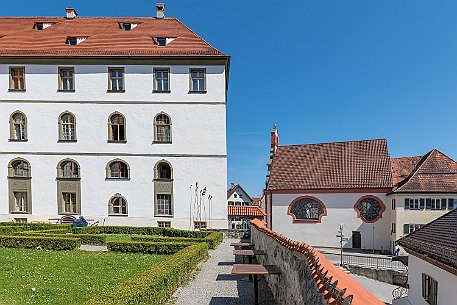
(39, 26)
(162, 41)
(73, 41)
(127, 26)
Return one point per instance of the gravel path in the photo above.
(93, 248)
(215, 285)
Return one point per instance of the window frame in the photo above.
(156, 80)
(429, 289)
(306, 220)
(109, 173)
(61, 171)
(73, 204)
(164, 224)
(110, 79)
(62, 127)
(62, 81)
(165, 208)
(191, 79)
(111, 130)
(13, 127)
(24, 197)
(11, 79)
(111, 206)
(157, 126)
(412, 203)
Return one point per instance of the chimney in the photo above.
(160, 10)
(71, 13)
(274, 139)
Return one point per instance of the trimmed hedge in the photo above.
(157, 285)
(35, 226)
(41, 232)
(142, 231)
(213, 239)
(44, 242)
(147, 247)
(8, 230)
(86, 239)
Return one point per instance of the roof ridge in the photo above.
(336, 142)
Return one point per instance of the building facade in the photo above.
(432, 263)
(313, 189)
(242, 208)
(115, 119)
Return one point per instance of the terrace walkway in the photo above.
(215, 285)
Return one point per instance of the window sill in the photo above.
(198, 92)
(17, 140)
(70, 91)
(164, 215)
(19, 177)
(67, 141)
(119, 179)
(68, 178)
(20, 213)
(16, 90)
(120, 142)
(161, 91)
(161, 142)
(115, 91)
(69, 214)
(118, 215)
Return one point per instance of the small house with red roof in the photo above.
(312, 189)
(242, 208)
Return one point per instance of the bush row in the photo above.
(86, 239)
(141, 231)
(147, 247)
(34, 226)
(44, 242)
(157, 285)
(212, 240)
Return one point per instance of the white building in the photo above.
(112, 118)
(432, 263)
(242, 208)
(313, 188)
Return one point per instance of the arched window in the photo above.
(68, 169)
(163, 170)
(163, 189)
(68, 187)
(162, 128)
(369, 208)
(117, 205)
(67, 127)
(118, 169)
(21, 168)
(116, 128)
(18, 127)
(19, 186)
(307, 209)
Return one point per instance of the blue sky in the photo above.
(323, 70)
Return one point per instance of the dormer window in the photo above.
(39, 26)
(162, 41)
(73, 41)
(127, 26)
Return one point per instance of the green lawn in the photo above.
(65, 277)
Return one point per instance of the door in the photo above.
(356, 240)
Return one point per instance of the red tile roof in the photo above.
(434, 173)
(256, 201)
(402, 167)
(338, 165)
(104, 37)
(254, 211)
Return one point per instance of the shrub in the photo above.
(156, 286)
(147, 247)
(142, 231)
(41, 232)
(44, 242)
(212, 239)
(8, 230)
(86, 239)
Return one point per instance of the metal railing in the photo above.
(375, 262)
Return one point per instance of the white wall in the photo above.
(197, 152)
(340, 209)
(447, 282)
(240, 201)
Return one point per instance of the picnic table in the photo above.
(255, 270)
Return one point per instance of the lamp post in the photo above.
(373, 239)
(340, 235)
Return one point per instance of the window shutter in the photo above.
(450, 203)
(428, 203)
(443, 203)
(406, 203)
(406, 229)
(422, 203)
(423, 286)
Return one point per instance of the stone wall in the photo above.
(307, 277)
